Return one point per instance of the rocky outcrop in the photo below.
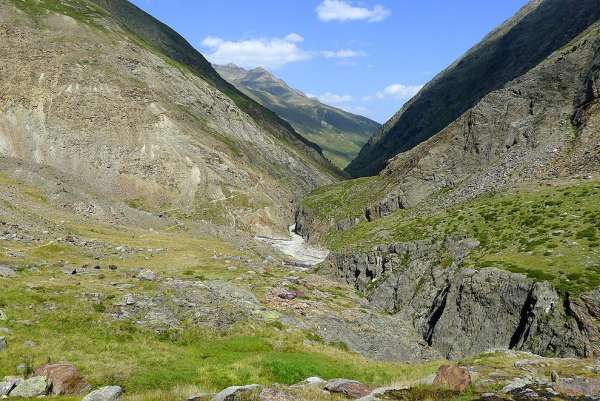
(462, 312)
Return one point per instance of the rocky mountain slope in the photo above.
(340, 134)
(512, 169)
(102, 92)
(541, 28)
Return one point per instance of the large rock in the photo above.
(64, 378)
(3, 343)
(108, 393)
(8, 384)
(349, 388)
(453, 378)
(270, 394)
(30, 388)
(146, 275)
(230, 393)
(579, 386)
(7, 272)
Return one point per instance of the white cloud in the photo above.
(267, 52)
(331, 98)
(263, 52)
(344, 53)
(340, 10)
(396, 91)
(294, 37)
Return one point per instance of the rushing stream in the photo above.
(303, 254)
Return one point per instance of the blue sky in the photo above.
(366, 57)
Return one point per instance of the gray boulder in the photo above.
(30, 388)
(3, 343)
(8, 384)
(349, 388)
(146, 275)
(230, 392)
(7, 272)
(108, 393)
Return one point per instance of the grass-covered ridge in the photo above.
(345, 199)
(550, 233)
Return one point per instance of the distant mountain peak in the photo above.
(339, 133)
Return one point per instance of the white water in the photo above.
(295, 246)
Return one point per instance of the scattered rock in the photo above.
(108, 393)
(64, 378)
(30, 388)
(3, 315)
(3, 343)
(516, 383)
(312, 381)
(453, 378)
(8, 384)
(270, 394)
(21, 369)
(284, 293)
(554, 377)
(146, 275)
(579, 386)
(349, 388)
(7, 272)
(112, 267)
(230, 393)
(198, 397)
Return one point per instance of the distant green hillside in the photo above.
(340, 134)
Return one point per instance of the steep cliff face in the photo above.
(461, 312)
(103, 92)
(340, 134)
(540, 29)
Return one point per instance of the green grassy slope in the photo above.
(550, 232)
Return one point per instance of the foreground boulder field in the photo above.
(449, 382)
(145, 207)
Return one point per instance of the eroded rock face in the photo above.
(460, 312)
(127, 124)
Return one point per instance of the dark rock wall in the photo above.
(461, 312)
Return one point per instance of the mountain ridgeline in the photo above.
(339, 133)
(524, 41)
(137, 115)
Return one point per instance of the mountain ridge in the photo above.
(537, 30)
(339, 133)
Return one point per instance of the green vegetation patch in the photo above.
(345, 199)
(549, 233)
(79, 10)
